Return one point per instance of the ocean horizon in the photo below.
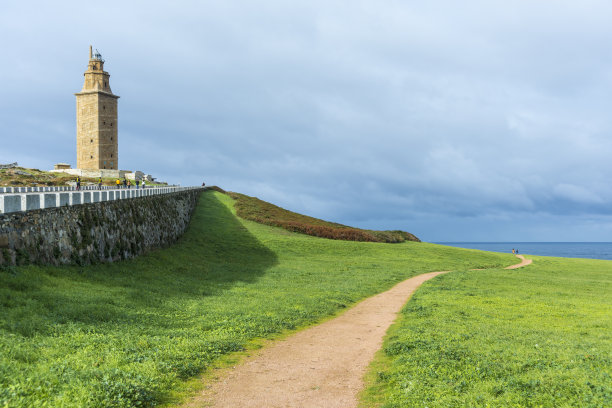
(591, 250)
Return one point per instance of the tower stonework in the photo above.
(97, 144)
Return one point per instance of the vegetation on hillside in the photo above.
(128, 334)
(538, 336)
(23, 177)
(254, 209)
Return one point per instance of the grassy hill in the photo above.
(136, 333)
(24, 177)
(131, 333)
(254, 209)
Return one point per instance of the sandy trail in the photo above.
(322, 366)
(524, 262)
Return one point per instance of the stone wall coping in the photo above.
(39, 198)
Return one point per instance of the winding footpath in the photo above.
(322, 366)
(524, 262)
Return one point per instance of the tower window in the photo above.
(104, 122)
(91, 140)
(111, 156)
(111, 138)
(111, 124)
(91, 157)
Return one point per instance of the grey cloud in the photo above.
(455, 122)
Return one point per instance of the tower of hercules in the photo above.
(97, 146)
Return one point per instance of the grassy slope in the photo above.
(39, 178)
(254, 209)
(129, 333)
(534, 337)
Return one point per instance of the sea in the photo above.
(592, 250)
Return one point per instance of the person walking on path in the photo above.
(124, 182)
(100, 183)
(137, 184)
(78, 183)
(144, 184)
(118, 182)
(513, 253)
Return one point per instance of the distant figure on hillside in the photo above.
(78, 183)
(203, 184)
(100, 183)
(124, 183)
(517, 251)
(513, 251)
(144, 184)
(118, 182)
(137, 184)
(129, 184)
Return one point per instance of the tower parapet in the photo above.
(97, 143)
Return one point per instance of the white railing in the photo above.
(91, 187)
(36, 198)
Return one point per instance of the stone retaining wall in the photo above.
(96, 232)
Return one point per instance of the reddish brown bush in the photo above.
(254, 209)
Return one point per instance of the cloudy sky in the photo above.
(457, 121)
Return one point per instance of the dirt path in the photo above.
(524, 262)
(320, 367)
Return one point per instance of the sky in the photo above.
(477, 120)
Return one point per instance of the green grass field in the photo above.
(132, 333)
(539, 336)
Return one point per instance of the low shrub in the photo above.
(254, 209)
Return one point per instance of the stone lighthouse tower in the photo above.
(97, 145)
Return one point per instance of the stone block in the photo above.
(48, 200)
(32, 202)
(64, 199)
(76, 198)
(10, 203)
